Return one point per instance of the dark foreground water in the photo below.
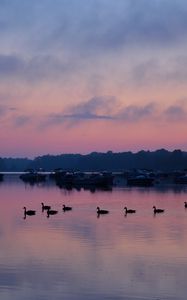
(76, 255)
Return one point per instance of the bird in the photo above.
(185, 204)
(102, 211)
(51, 212)
(157, 210)
(129, 211)
(45, 207)
(29, 212)
(66, 208)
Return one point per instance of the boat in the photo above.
(1, 176)
(93, 179)
(181, 179)
(32, 176)
(82, 179)
(57, 173)
(140, 180)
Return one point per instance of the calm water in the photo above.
(75, 255)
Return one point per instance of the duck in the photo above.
(157, 210)
(102, 211)
(45, 207)
(29, 212)
(51, 212)
(185, 204)
(66, 208)
(129, 211)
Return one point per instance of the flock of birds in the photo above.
(130, 211)
(45, 208)
(100, 211)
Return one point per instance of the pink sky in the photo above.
(103, 80)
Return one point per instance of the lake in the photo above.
(77, 255)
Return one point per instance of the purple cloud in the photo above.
(134, 113)
(22, 120)
(175, 113)
(102, 108)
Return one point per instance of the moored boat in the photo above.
(82, 179)
(1, 176)
(181, 179)
(33, 177)
(140, 180)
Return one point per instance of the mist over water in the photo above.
(77, 255)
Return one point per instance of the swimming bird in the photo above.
(66, 208)
(51, 212)
(102, 211)
(185, 204)
(29, 212)
(157, 210)
(45, 207)
(129, 211)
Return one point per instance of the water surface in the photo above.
(76, 255)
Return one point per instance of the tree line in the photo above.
(96, 161)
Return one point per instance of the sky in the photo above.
(78, 76)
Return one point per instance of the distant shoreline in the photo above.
(161, 159)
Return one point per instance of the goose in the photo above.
(51, 212)
(129, 211)
(45, 207)
(157, 210)
(66, 208)
(102, 211)
(29, 212)
(185, 204)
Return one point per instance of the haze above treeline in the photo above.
(110, 161)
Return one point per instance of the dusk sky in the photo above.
(78, 76)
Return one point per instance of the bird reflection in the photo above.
(45, 207)
(129, 211)
(66, 208)
(157, 210)
(51, 212)
(28, 212)
(101, 212)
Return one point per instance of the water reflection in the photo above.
(76, 255)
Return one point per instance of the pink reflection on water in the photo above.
(138, 254)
